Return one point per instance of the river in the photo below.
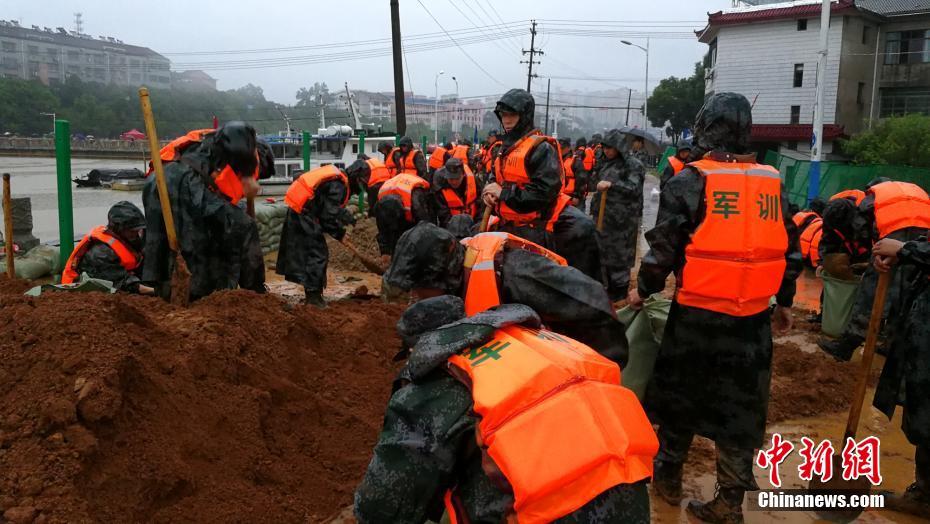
(35, 178)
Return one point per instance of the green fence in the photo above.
(663, 159)
(837, 176)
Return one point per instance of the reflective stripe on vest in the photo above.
(554, 421)
(304, 188)
(568, 169)
(736, 259)
(676, 163)
(810, 241)
(481, 291)
(379, 172)
(900, 205)
(407, 164)
(438, 158)
(853, 194)
(510, 169)
(129, 259)
(403, 186)
(456, 206)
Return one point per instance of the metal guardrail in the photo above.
(48, 144)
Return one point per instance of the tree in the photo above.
(903, 140)
(21, 101)
(677, 101)
(310, 97)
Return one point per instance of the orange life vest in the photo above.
(804, 216)
(304, 188)
(128, 258)
(899, 205)
(403, 186)
(228, 182)
(379, 172)
(438, 158)
(482, 250)
(461, 152)
(736, 259)
(407, 165)
(171, 152)
(470, 205)
(854, 194)
(510, 169)
(554, 421)
(588, 158)
(568, 169)
(489, 155)
(810, 241)
(677, 165)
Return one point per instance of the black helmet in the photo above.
(596, 138)
(125, 215)
(235, 145)
(454, 168)
(265, 160)
(384, 146)
(426, 256)
(684, 145)
(581, 142)
(615, 139)
(724, 123)
(427, 315)
(406, 141)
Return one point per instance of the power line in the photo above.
(491, 5)
(509, 42)
(457, 45)
(466, 17)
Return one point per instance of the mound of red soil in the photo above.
(117, 408)
(364, 236)
(13, 286)
(809, 384)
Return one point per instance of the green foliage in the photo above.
(677, 101)
(901, 140)
(20, 105)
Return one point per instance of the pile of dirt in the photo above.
(806, 384)
(119, 408)
(364, 237)
(13, 286)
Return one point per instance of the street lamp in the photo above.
(436, 109)
(53, 120)
(455, 112)
(646, 101)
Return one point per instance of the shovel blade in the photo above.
(838, 486)
(180, 282)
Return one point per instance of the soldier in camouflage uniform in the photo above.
(622, 177)
(427, 446)
(736, 351)
(905, 378)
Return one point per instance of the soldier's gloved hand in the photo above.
(603, 185)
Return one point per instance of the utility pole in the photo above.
(813, 188)
(629, 100)
(533, 51)
(548, 85)
(399, 108)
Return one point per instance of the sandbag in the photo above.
(838, 298)
(84, 284)
(38, 262)
(644, 329)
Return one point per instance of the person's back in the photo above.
(426, 460)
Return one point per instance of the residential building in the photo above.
(193, 80)
(878, 64)
(50, 56)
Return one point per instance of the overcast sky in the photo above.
(185, 26)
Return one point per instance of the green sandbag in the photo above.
(644, 331)
(838, 298)
(83, 285)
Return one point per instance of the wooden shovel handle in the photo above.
(485, 218)
(159, 169)
(601, 210)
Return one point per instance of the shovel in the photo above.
(861, 485)
(8, 224)
(485, 218)
(180, 276)
(366, 261)
(600, 213)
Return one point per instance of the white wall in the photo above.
(759, 58)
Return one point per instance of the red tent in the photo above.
(132, 134)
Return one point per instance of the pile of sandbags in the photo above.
(270, 219)
(38, 262)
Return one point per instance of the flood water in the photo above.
(35, 178)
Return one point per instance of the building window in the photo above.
(860, 94)
(907, 47)
(798, 75)
(866, 34)
(33, 49)
(795, 114)
(9, 47)
(903, 101)
(802, 24)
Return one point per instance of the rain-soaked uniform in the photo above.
(100, 260)
(572, 234)
(427, 450)
(569, 302)
(303, 255)
(905, 378)
(698, 343)
(395, 213)
(840, 249)
(902, 278)
(213, 231)
(623, 215)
